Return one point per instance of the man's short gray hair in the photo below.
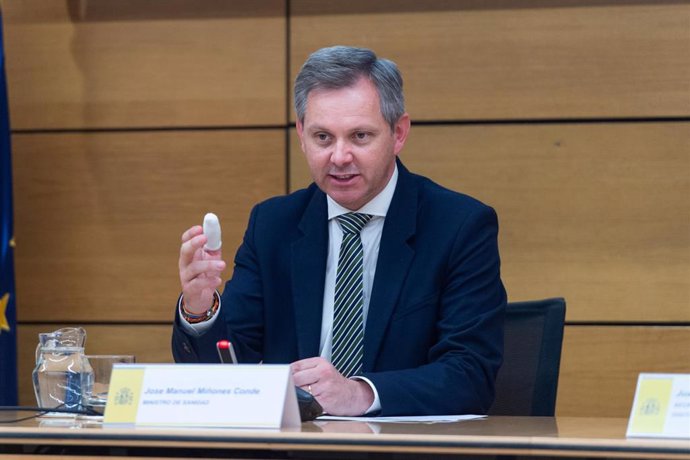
(340, 67)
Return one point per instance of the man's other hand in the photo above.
(337, 395)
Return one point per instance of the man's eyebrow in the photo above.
(318, 128)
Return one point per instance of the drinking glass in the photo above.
(102, 365)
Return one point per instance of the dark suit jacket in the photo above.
(434, 335)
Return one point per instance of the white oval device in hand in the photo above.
(212, 232)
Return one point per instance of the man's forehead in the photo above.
(350, 106)
(362, 87)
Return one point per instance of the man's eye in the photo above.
(322, 137)
(361, 136)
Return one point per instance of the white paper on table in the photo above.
(405, 419)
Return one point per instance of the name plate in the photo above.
(201, 395)
(661, 408)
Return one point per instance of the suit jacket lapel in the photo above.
(395, 256)
(309, 273)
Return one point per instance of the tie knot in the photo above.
(353, 222)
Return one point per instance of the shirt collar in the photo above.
(378, 206)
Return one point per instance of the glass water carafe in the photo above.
(62, 375)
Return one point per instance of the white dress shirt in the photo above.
(371, 242)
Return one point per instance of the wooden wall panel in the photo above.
(98, 217)
(149, 344)
(139, 63)
(508, 59)
(596, 213)
(600, 365)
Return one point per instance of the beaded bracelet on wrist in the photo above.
(194, 318)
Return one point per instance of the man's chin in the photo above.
(346, 200)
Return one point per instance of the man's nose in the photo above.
(342, 153)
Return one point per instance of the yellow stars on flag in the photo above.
(4, 301)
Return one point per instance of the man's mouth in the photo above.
(343, 177)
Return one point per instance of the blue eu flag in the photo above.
(8, 317)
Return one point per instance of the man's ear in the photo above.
(402, 129)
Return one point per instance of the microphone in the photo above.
(226, 352)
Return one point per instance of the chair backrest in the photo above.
(528, 380)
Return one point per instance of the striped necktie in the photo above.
(348, 323)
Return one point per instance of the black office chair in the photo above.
(528, 380)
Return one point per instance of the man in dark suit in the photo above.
(380, 287)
